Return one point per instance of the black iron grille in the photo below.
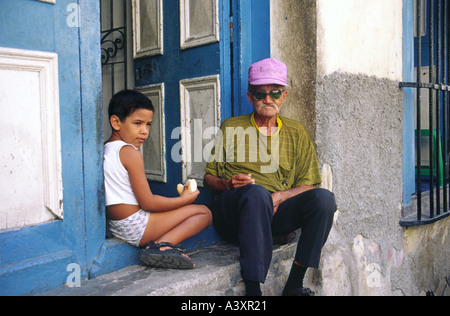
(432, 130)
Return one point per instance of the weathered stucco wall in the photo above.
(345, 58)
(359, 134)
(360, 37)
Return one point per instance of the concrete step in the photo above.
(217, 273)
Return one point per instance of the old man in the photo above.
(264, 173)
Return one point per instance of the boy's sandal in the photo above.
(152, 255)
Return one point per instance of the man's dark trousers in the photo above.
(245, 216)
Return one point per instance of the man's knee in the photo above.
(257, 197)
(325, 201)
(253, 191)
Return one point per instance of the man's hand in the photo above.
(241, 180)
(280, 197)
(216, 185)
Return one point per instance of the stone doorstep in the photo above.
(217, 273)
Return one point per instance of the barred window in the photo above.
(426, 85)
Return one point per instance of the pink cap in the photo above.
(267, 72)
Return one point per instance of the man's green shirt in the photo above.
(279, 162)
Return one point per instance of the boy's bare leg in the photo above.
(176, 226)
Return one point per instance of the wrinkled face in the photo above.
(267, 100)
(136, 127)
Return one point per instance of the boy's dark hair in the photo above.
(125, 102)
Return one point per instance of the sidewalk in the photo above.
(217, 274)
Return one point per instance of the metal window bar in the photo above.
(437, 19)
(114, 46)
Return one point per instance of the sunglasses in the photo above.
(274, 95)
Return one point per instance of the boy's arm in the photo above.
(134, 163)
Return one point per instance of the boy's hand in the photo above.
(191, 185)
(189, 196)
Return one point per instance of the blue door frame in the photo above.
(37, 259)
(408, 104)
(251, 43)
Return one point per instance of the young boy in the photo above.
(134, 214)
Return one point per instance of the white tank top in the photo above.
(117, 181)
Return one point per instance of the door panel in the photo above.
(199, 23)
(156, 167)
(200, 121)
(30, 83)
